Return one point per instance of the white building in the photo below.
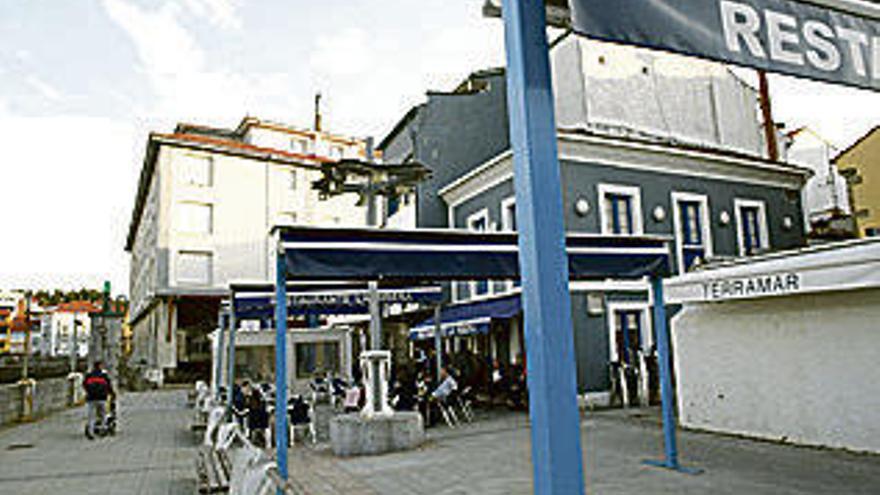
(826, 193)
(783, 346)
(206, 201)
(57, 327)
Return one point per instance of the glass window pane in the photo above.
(194, 267)
(195, 170)
(317, 359)
(194, 218)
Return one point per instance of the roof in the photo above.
(857, 143)
(78, 307)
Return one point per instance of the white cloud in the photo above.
(44, 88)
(343, 53)
(67, 190)
(220, 13)
(177, 67)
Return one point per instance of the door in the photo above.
(691, 236)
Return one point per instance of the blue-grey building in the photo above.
(649, 143)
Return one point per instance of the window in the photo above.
(621, 209)
(299, 145)
(479, 222)
(752, 232)
(195, 170)
(195, 218)
(692, 229)
(508, 224)
(317, 359)
(872, 232)
(336, 152)
(194, 267)
(291, 180)
(393, 205)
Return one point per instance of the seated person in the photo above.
(447, 386)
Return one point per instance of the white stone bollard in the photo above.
(376, 367)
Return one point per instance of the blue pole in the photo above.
(281, 430)
(218, 366)
(556, 445)
(669, 441)
(231, 363)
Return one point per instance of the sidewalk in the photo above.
(152, 454)
(492, 457)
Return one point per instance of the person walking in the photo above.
(98, 388)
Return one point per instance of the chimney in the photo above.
(318, 112)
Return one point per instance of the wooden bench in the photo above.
(213, 471)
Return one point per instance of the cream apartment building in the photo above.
(206, 201)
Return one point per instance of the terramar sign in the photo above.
(786, 36)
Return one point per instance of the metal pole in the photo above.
(230, 371)
(669, 441)
(281, 431)
(556, 437)
(27, 336)
(438, 338)
(218, 366)
(74, 344)
(670, 446)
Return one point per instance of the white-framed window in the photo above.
(752, 233)
(195, 218)
(621, 209)
(299, 145)
(508, 224)
(691, 219)
(194, 267)
(629, 328)
(195, 170)
(477, 222)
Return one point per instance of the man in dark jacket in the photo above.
(98, 388)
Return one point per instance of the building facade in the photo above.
(649, 144)
(62, 325)
(207, 199)
(860, 163)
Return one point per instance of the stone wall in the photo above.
(50, 395)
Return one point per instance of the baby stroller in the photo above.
(106, 426)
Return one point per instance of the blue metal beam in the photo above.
(231, 364)
(670, 445)
(556, 447)
(218, 366)
(281, 430)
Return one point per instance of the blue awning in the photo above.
(257, 301)
(313, 253)
(468, 318)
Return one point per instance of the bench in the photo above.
(213, 471)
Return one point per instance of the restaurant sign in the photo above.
(777, 284)
(839, 43)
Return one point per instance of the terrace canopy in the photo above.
(421, 256)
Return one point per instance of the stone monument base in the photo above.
(353, 434)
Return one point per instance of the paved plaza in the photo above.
(154, 454)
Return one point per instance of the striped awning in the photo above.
(468, 318)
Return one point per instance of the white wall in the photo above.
(826, 189)
(802, 369)
(659, 94)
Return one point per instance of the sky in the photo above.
(83, 82)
